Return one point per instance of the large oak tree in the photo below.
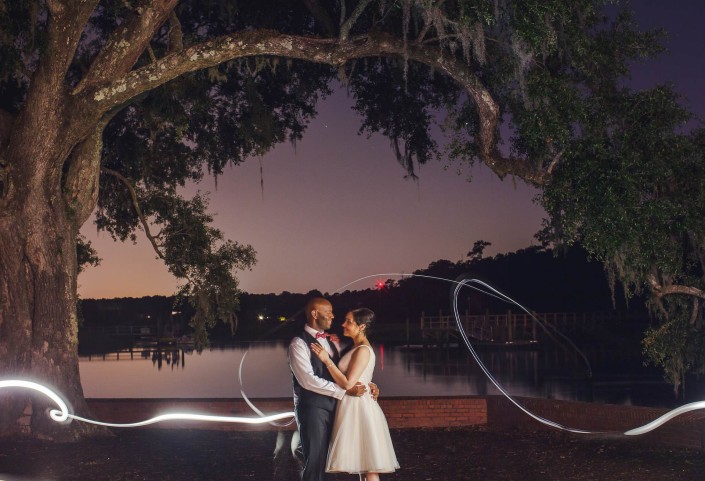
(114, 104)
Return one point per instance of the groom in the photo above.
(315, 393)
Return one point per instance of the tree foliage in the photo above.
(116, 105)
(632, 193)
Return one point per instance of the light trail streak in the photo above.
(62, 414)
(249, 403)
(59, 416)
(489, 375)
(492, 292)
(190, 417)
(665, 418)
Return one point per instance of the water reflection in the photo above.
(168, 355)
(618, 376)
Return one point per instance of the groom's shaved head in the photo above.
(313, 304)
(319, 314)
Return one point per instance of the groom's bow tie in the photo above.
(322, 335)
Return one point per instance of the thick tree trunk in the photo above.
(38, 322)
(50, 158)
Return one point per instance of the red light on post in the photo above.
(379, 285)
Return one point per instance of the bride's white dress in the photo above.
(360, 442)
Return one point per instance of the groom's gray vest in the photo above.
(311, 398)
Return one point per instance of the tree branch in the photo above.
(126, 44)
(554, 162)
(150, 52)
(332, 52)
(66, 24)
(176, 35)
(350, 22)
(46, 93)
(422, 35)
(80, 187)
(138, 209)
(176, 269)
(660, 290)
(426, 28)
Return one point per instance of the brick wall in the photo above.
(402, 412)
(497, 412)
(434, 412)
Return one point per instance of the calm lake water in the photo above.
(618, 375)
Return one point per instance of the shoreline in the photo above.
(437, 412)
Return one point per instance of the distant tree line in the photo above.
(108, 108)
(541, 279)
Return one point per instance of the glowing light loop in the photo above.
(665, 418)
(249, 403)
(62, 414)
(492, 292)
(190, 417)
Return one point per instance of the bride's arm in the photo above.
(358, 362)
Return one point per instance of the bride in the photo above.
(360, 443)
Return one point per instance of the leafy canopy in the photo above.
(531, 88)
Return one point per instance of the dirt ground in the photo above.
(424, 454)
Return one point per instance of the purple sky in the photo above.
(337, 208)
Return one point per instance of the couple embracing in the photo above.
(341, 426)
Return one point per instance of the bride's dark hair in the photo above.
(363, 317)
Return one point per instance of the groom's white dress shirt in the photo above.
(300, 362)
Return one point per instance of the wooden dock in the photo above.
(510, 328)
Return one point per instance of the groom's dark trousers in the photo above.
(315, 414)
(315, 425)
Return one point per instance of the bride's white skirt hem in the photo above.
(360, 441)
(379, 471)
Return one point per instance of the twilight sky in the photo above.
(337, 208)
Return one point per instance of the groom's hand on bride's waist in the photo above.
(374, 391)
(360, 389)
(357, 390)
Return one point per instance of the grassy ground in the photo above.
(424, 454)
